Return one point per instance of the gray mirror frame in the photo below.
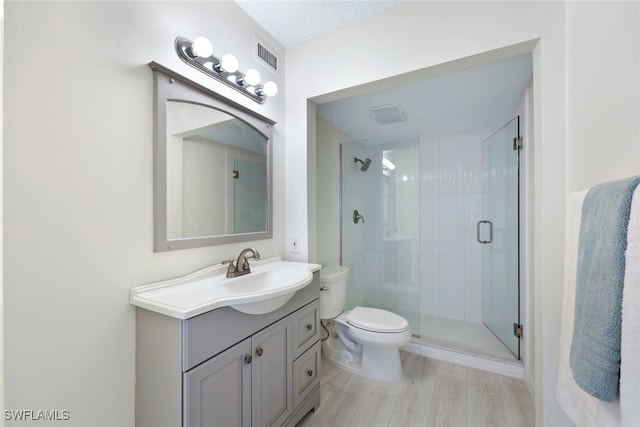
(171, 86)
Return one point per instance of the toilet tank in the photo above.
(333, 288)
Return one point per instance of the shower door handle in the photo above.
(484, 242)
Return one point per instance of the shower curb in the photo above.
(509, 369)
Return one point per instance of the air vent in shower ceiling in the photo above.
(266, 55)
(386, 114)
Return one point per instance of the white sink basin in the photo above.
(277, 285)
(268, 287)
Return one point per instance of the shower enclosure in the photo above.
(430, 231)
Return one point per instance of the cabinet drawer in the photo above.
(306, 374)
(305, 328)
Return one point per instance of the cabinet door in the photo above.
(218, 392)
(272, 398)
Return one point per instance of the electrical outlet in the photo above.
(295, 243)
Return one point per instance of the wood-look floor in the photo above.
(433, 393)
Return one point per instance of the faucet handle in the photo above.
(232, 269)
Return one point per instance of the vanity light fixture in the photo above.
(199, 54)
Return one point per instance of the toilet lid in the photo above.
(374, 319)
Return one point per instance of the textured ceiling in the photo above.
(291, 22)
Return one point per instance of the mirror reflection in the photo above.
(216, 173)
(212, 167)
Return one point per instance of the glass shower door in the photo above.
(379, 226)
(498, 234)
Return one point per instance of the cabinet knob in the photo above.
(259, 352)
(310, 372)
(248, 359)
(309, 326)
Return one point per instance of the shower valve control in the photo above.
(357, 217)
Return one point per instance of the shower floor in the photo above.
(462, 336)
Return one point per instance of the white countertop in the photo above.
(208, 289)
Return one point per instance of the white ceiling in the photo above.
(294, 21)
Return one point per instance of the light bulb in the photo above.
(270, 88)
(252, 77)
(388, 164)
(229, 63)
(201, 47)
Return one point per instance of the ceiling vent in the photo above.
(386, 114)
(265, 55)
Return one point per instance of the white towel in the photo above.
(583, 409)
(630, 335)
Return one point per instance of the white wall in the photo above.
(417, 35)
(603, 92)
(78, 188)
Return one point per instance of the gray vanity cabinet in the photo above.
(226, 368)
(245, 385)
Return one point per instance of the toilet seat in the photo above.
(376, 320)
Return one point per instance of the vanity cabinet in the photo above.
(226, 368)
(248, 381)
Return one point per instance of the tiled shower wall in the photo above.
(450, 207)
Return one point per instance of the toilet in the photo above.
(365, 341)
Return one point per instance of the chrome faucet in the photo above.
(241, 265)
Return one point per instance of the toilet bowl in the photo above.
(363, 340)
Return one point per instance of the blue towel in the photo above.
(595, 348)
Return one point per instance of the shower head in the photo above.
(365, 163)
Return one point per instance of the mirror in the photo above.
(212, 167)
